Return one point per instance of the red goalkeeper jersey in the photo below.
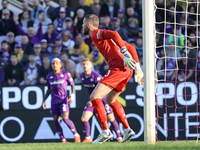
(109, 44)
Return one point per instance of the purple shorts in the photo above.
(107, 107)
(59, 108)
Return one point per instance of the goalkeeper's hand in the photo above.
(139, 76)
(129, 62)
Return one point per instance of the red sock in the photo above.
(101, 113)
(119, 113)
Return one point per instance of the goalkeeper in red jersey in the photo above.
(122, 59)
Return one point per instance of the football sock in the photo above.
(86, 128)
(119, 113)
(115, 127)
(71, 125)
(59, 129)
(101, 113)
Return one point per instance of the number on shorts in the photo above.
(64, 107)
(107, 108)
(107, 74)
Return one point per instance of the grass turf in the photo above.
(183, 145)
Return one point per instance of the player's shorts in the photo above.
(107, 107)
(59, 108)
(116, 79)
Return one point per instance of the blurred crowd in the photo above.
(30, 40)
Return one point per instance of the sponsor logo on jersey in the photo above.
(62, 75)
(51, 77)
(57, 82)
(98, 34)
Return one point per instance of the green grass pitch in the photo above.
(170, 145)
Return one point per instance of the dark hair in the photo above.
(3, 1)
(93, 19)
(63, 53)
(31, 53)
(50, 24)
(45, 56)
(86, 59)
(4, 41)
(41, 11)
(13, 54)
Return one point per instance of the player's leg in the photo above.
(114, 126)
(56, 117)
(85, 122)
(96, 98)
(120, 114)
(72, 127)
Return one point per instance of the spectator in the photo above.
(55, 53)
(103, 69)
(26, 46)
(36, 9)
(161, 11)
(172, 52)
(170, 15)
(69, 26)
(45, 50)
(59, 43)
(109, 7)
(132, 28)
(42, 19)
(49, 10)
(191, 53)
(193, 11)
(44, 70)
(178, 39)
(68, 64)
(22, 58)
(141, 61)
(140, 33)
(116, 27)
(68, 43)
(82, 5)
(75, 55)
(30, 71)
(1, 73)
(121, 17)
(63, 3)
(4, 53)
(25, 21)
(83, 47)
(174, 3)
(7, 24)
(33, 38)
(11, 41)
(5, 6)
(59, 23)
(186, 69)
(131, 14)
(25, 7)
(192, 38)
(96, 7)
(96, 57)
(164, 64)
(80, 15)
(37, 50)
(106, 23)
(139, 46)
(13, 71)
(50, 35)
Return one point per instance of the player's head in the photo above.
(87, 65)
(90, 22)
(56, 64)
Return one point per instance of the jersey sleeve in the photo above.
(132, 51)
(97, 78)
(69, 79)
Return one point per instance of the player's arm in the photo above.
(45, 97)
(71, 82)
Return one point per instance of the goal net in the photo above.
(178, 69)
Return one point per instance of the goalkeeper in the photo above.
(122, 59)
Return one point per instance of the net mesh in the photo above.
(178, 69)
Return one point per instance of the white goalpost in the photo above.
(148, 23)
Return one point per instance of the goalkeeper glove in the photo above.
(128, 59)
(138, 75)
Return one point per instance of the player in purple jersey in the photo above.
(90, 79)
(57, 82)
